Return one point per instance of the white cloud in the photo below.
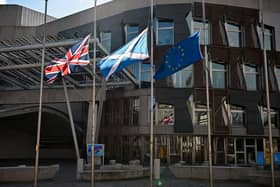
(3, 2)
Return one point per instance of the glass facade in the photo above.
(233, 34)
(267, 38)
(131, 31)
(198, 27)
(164, 32)
(218, 75)
(183, 78)
(105, 38)
(250, 75)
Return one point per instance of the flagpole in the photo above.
(93, 99)
(72, 125)
(267, 95)
(207, 98)
(152, 95)
(37, 147)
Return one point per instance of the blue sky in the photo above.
(56, 8)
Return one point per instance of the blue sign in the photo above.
(98, 149)
(260, 158)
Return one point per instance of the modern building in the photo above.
(237, 88)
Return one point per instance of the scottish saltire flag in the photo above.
(180, 56)
(134, 51)
(76, 56)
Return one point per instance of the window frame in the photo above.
(245, 73)
(208, 29)
(275, 73)
(263, 110)
(164, 28)
(200, 108)
(102, 40)
(241, 40)
(237, 109)
(179, 75)
(131, 33)
(260, 39)
(218, 70)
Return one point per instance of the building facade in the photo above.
(237, 88)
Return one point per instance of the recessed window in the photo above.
(237, 116)
(218, 75)
(166, 114)
(277, 75)
(106, 40)
(233, 34)
(164, 32)
(267, 38)
(273, 115)
(183, 78)
(131, 31)
(250, 75)
(204, 32)
(200, 115)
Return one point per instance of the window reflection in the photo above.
(166, 114)
(198, 27)
(233, 34)
(218, 75)
(267, 38)
(131, 31)
(164, 32)
(106, 40)
(183, 78)
(250, 75)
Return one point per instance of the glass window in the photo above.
(250, 75)
(131, 31)
(267, 38)
(218, 75)
(166, 115)
(183, 78)
(233, 35)
(237, 115)
(165, 32)
(273, 115)
(277, 75)
(106, 40)
(198, 27)
(141, 71)
(200, 115)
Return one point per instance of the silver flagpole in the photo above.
(152, 95)
(72, 125)
(207, 98)
(37, 148)
(267, 96)
(93, 98)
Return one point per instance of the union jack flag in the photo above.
(76, 56)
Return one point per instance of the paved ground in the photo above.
(66, 178)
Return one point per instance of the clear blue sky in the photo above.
(56, 8)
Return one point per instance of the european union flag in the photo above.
(180, 56)
(134, 51)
